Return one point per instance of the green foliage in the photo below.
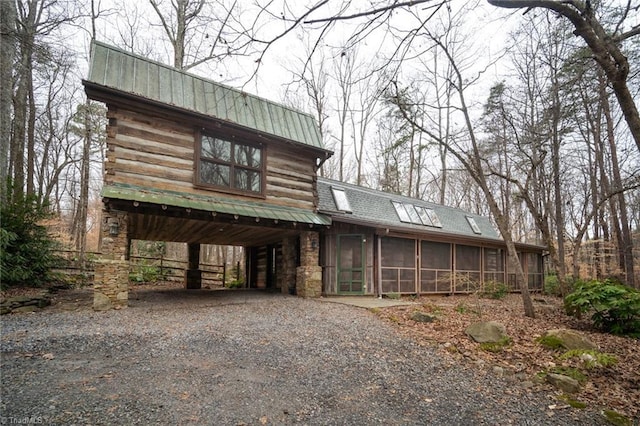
(496, 346)
(495, 290)
(551, 285)
(591, 358)
(234, 284)
(145, 273)
(616, 418)
(26, 249)
(573, 403)
(572, 372)
(393, 296)
(550, 342)
(615, 307)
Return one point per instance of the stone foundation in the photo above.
(111, 284)
(111, 280)
(309, 274)
(309, 281)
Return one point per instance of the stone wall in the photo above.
(111, 285)
(111, 280)
(309, 273)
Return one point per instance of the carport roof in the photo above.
(213, 204)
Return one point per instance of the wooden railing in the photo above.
(143, 269)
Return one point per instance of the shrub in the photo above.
(495, 290)
(145, 273)
(615, 307)
(26, 249)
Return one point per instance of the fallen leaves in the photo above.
(616, 386)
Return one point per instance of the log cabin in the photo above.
(194, 161)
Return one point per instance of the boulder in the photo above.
(101, 302)
(564, 383)
(571, 339)
(486, 332)
(422, 317)
(24, 309)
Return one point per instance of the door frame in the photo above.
(361, 269)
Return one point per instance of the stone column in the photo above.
(193, 274)
(111, 281)
(287, 276)
(309, 273)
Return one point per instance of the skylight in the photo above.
(340, 197)
(418, 215)
(402, 212)
(474, 225)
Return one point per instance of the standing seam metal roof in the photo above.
(123, 71)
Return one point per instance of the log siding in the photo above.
(155, 152)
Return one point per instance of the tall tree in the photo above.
(605, 44)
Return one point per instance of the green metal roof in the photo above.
(213, 204)
(132, 74)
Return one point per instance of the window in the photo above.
(402, 213)
(417, 215)
(340, 197)
(230, 164)
(474, 226)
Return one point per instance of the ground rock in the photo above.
(487, 331)
(564, 383)
(422, 317)
(101, 302)
(572, 339)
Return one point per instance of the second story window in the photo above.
(230, 164)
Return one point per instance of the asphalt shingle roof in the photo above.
(375, 208)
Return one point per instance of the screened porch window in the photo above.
(493, 264)
(230, 164)
(435, 270)
(467, 268)
(398, 265)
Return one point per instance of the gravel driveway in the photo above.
(234, 358)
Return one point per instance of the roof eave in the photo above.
(109, 95)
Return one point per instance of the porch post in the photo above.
(193, 274)
(288, 276)
(111, 281)
(309, 273)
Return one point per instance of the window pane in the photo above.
(216, 148)
(247, 180)
(398, 252)
(424, 216)
(340, 197)
(435, 220)
(215, 174)
(467, 258)
(436, 255)
(248, 156)
(402, 213)
(413, 215)
(493, 260)
(474, 225)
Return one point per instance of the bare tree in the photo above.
(604, 44)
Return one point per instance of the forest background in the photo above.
(509, 114)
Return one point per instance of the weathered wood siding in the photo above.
(158, 153)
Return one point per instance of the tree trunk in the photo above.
(7, 55)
